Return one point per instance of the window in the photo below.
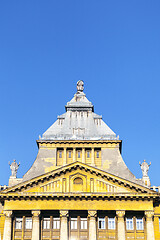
(18, 223)
(73, 223)
(69, 154)
(56, 223)
(139, 224)
(97, 154)
(111, 223)
(79, 154)
(83, 223)
(78, 180)
(60, 154)
(129, 223)
(28, 223)
(159, 223)
(101, 223)
(88, 154)
(46, 223)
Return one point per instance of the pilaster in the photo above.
(149, 225)
(92, 225)
(64, 225)
(121, 225)
(36, 225)
(83, 155)
(92, 157)
(7, 225)
(65, 156)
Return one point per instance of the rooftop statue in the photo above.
(80, 86)
(14, 168)
(145, 167)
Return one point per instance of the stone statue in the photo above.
(145, 167)
(14, 168)
(80, 87)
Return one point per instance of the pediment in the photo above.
(78, 178)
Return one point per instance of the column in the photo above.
(7, 225)
(74, 154)
(65, 156)
(64, 225)
(83, 155)
(92, 157)
(121, 225)
(149, 225)
(92, 225)
(36, 225)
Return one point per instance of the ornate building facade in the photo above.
(79, 187)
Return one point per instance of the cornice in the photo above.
(81, 196)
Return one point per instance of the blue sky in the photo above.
(47, 46)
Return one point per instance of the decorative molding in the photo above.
(64, 213)
(92, 213)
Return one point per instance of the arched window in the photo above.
(78, 180)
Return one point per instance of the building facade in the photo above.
(79, 187)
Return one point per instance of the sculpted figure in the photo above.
(145, 167)
(80, 86)
(14, 168)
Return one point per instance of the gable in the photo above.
(78, 178)
(78, 181)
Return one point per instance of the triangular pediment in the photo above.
(77, 178)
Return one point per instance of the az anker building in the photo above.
(79, 187)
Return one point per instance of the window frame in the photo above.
(101, 220)
(16, 222)
(111, 223)
(129, 224)
(30, 223)
(46, 220)
(56, 223)
(139, 220)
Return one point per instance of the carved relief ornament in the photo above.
(149, 214)
(63, 213)
(92, 213)
(120, 214)
(36, 213)
(8, 213)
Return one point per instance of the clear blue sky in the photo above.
(47, 46)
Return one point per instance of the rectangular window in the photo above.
(73, 223)
(28, 223)
(101, 223)
(88, 154)
(46, 223)
(79, 154)
(97, 154)
(60, 154)
(129, 223)
(69, 154)
(139, 224)
(18, 223)
(56, 223)
(83, 223)
(111, 223)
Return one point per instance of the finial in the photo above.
(80, 86)
(14, 168)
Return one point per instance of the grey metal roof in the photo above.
(79, 122)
